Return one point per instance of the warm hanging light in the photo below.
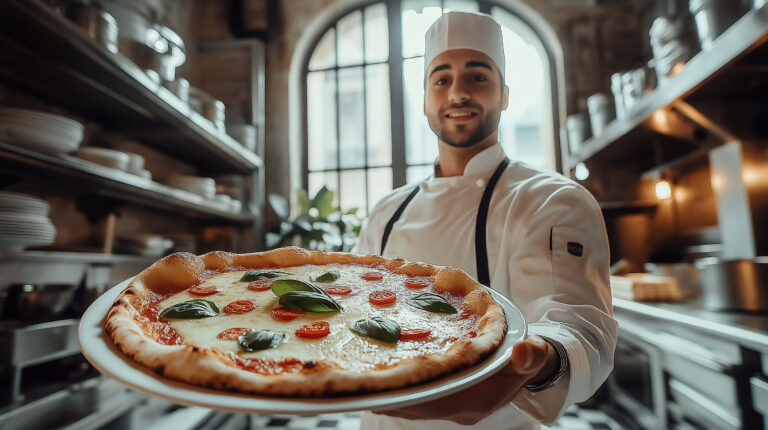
(581, 172)
(663, 190)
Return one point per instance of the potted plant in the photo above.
(320, 225)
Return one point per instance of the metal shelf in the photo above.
(620, 136)
(116, 184)
(46, 53)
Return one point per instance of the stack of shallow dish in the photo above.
(205, 187)
(24, 222)
(39, 131)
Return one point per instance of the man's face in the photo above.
(464, 97)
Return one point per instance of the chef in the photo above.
(534, 236)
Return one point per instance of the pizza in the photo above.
(292, 322)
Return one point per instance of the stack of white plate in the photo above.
(106, 157)
(39, 131)
(205, 187)
(24, 222)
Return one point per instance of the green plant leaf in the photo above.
(309, 301)
(380, 328)
(304, 202)
(279, 205)
(303, 222)
(433, 303)
(328, 277)
(260, 275)
(323, 201)
(191, 309)
(282, 287)
(273, 240)
(256, 340)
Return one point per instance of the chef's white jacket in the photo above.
(534, 217)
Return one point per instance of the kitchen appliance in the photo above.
(734, 285)
(713, 17)
(97, 24)
(601, 112)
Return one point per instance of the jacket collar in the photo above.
(483, 163)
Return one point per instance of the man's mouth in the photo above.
(460, 115)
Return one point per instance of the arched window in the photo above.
(364, 130)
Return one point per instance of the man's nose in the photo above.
(458, 92)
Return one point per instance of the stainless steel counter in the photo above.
(744, 328)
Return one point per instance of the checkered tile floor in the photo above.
(574, 418)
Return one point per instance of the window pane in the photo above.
(416, 174)
(329, 179)
(351, 117)
(417, 16)
(525, 128)
(353, 191)
(378, 113)
(350, 30)
(321, 120)
(461, 6)
(324, 55)
(376, 33)
(420, 141)
(379, 185)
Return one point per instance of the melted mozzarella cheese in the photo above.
(342, 346)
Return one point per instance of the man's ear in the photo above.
(505, 98)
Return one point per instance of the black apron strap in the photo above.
(395, 217)
(481, 250)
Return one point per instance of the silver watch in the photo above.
(562, 367)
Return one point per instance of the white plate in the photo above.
(98, 348)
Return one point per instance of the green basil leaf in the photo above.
(260, 275)
(191, 309)
(260, 339)
(380, 328)
(433, 303)
(285, 286)
(309, 301)
(329, 276)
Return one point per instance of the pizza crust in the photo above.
(211, 367)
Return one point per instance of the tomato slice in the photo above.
(261, 285)
(414, 333)
(239, 307)
(231, 333)
(203, 290)
(373, 276)
(286, 314)
(338, 291)
(416, 284)
(382, 298)
(314, 330)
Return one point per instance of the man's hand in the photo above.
(533, 360)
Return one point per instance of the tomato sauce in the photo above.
(159, 329)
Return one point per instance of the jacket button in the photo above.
(480, 183)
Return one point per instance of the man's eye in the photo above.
(440, 82)
(479, 78)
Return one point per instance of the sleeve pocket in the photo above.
(571, 255)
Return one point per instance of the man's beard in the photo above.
(487, 126)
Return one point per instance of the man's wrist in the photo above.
(557, 365)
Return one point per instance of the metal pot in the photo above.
(713, 17)
(601, 112)
(736, 285)
(97, 24)
(36, 302)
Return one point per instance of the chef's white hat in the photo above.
(461, 30)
